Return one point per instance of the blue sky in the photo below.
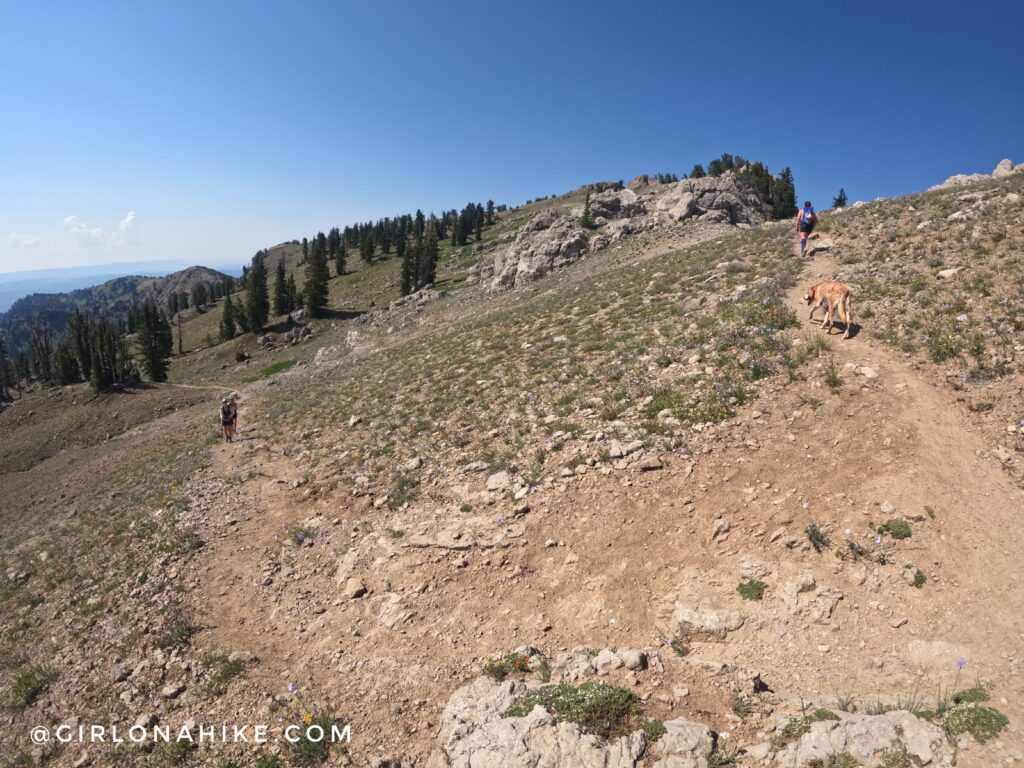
(204, 131)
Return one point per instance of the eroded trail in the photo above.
(384, 612)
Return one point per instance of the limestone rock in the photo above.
(863, 735)
(706, 622)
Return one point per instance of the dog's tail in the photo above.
(849, 312)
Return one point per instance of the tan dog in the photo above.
(835, 296)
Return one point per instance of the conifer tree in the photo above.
(317, 275)
(340, 256)
(172, 303)
(408, 280)
(78, 333)
(104, 356)
(428, 265)
(282, 301)
(6, 372)
(156, 342)
(257, 303)
(227, 320)
(293, 293)
(839, 201)
(366, 249)
(305, 250)
(697, 172)
(784, 195)
(490, 212)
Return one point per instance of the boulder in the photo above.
(863, 735)
(473, 733)
(707, 623)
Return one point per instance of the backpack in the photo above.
(225, 414)
(807, 216)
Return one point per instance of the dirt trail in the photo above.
(602, 561)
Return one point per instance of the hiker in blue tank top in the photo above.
(805, 221)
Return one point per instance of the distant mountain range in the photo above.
(111, 298)
(15, 285)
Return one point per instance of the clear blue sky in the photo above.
(206, 130)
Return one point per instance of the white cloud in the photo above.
(86, 236)
(83, 234)
(125, 228)
(24, 241)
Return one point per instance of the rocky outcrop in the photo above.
(549, 241)
(554, 239)
(864, 735)
(1002, 170)
(473, 732)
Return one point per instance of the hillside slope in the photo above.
(598, 460)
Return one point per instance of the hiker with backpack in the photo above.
(805, 221)
(228, 418)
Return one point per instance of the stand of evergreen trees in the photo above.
(777, 192)
(90, 350)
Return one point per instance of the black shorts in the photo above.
(806, 227)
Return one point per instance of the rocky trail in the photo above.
(384, 613)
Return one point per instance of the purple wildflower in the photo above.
(807, 505)
(878, 539)
(961, 663)
(292, 689)
(500, 520)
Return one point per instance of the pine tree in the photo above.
(156, 341)
(317, 275)
(408, 280)
(784, 196)
(293, 293)
(490, 212)
(366, 249)
(64, 363)
(257, 304)
(340, 256)
(282, 301)
(172, 303)
(428, 265)
(79, 331)
(305, 250)
(227, 320)
(104, 356)
(6, 372)
(697, 172)
(839, 201)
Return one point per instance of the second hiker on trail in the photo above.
(228, 418)
(805, 221)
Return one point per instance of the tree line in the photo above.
(95, 350)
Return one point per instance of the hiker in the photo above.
(228, 418)
(805, 221)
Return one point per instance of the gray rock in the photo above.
(473, 734)
(354, 588)
(634, 660)
(708, 623)
(685, 745)
(863, 735)
(499, 481)
(606, 661)
(173, 691)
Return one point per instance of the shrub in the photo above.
(898, 529)
(27, 687)
(981, 722)
(596, 708)
(752, 589)
(305, 751)
(919, 578)
(499, 669)
(817, 536)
